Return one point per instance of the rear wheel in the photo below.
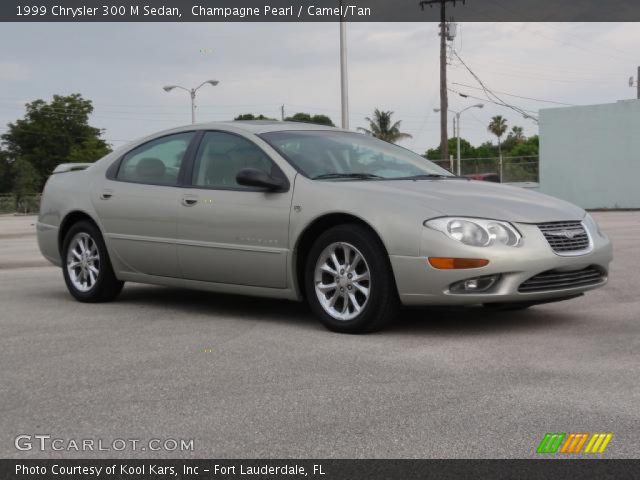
(349, 282)
(86, 266)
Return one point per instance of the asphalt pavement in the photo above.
(247, 378)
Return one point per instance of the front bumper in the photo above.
(420, 284)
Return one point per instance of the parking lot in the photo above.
(247, 377)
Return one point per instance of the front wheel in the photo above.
(349, 282)
(86, 266)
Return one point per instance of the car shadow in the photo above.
(209, 303)
(423, 320)
(478, 320)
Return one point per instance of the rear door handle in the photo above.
(106, 194)
(189, 200)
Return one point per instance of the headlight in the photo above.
(476, 232)
(592, 225)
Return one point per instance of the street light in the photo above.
(457, 114)
(192, 92)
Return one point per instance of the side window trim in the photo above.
(189, 159)
(189, 170)
(187, 179)
(114, 168)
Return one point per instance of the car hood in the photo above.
(469, 198)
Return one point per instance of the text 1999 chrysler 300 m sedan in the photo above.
(354, 225)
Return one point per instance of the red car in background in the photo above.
(485, 177)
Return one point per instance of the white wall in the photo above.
(590, 155)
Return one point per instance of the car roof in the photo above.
(253, 127)
(263, 126)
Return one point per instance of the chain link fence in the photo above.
(514, 169)
(24, 204)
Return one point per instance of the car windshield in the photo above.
(327, 155)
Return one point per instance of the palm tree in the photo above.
(498, 126)
(382, 128)
(517, 133)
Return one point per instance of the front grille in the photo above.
(560, 280)
(565, 237)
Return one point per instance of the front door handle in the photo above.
(106, 194)
(189, 200)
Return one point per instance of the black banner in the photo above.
(546, 469)
(317, 10)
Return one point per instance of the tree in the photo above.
(498, 126)
(307, 118)
(529, 147)
(26, 180)
(53, 133)
(381, 127)
(517, 133)
(6, 173)
(486, 150)
(251, 116)
(514, 138)
(466, 150)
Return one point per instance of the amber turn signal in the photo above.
(457, 263)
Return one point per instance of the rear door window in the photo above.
(157, 162)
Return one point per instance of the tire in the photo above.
(377, 307)
(82, 281)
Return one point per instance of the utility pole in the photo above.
(444, 97)
(282, 112)
(344, 79)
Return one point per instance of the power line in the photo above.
(534, 68)
(579, 47)
(122, 114)
(530, 76)
(489, 93)
(102, 112)
(517, 96)
(22, 101)
(466, 95)
(57, 135)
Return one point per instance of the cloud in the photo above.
(261, 66)
(13, 72)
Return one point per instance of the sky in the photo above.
(122, 68)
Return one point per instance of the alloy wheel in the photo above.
(342, 281)
(83, 262)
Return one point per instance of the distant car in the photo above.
(485, 177)
(354, 225)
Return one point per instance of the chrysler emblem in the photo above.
(570, 234)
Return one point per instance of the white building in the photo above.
(590, 155)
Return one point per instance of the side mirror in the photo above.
(252, 177)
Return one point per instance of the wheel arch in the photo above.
(313, 230)
(71, 219)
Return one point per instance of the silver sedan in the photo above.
(354, 225)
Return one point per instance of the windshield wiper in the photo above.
(427, 176)
(360, 176)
